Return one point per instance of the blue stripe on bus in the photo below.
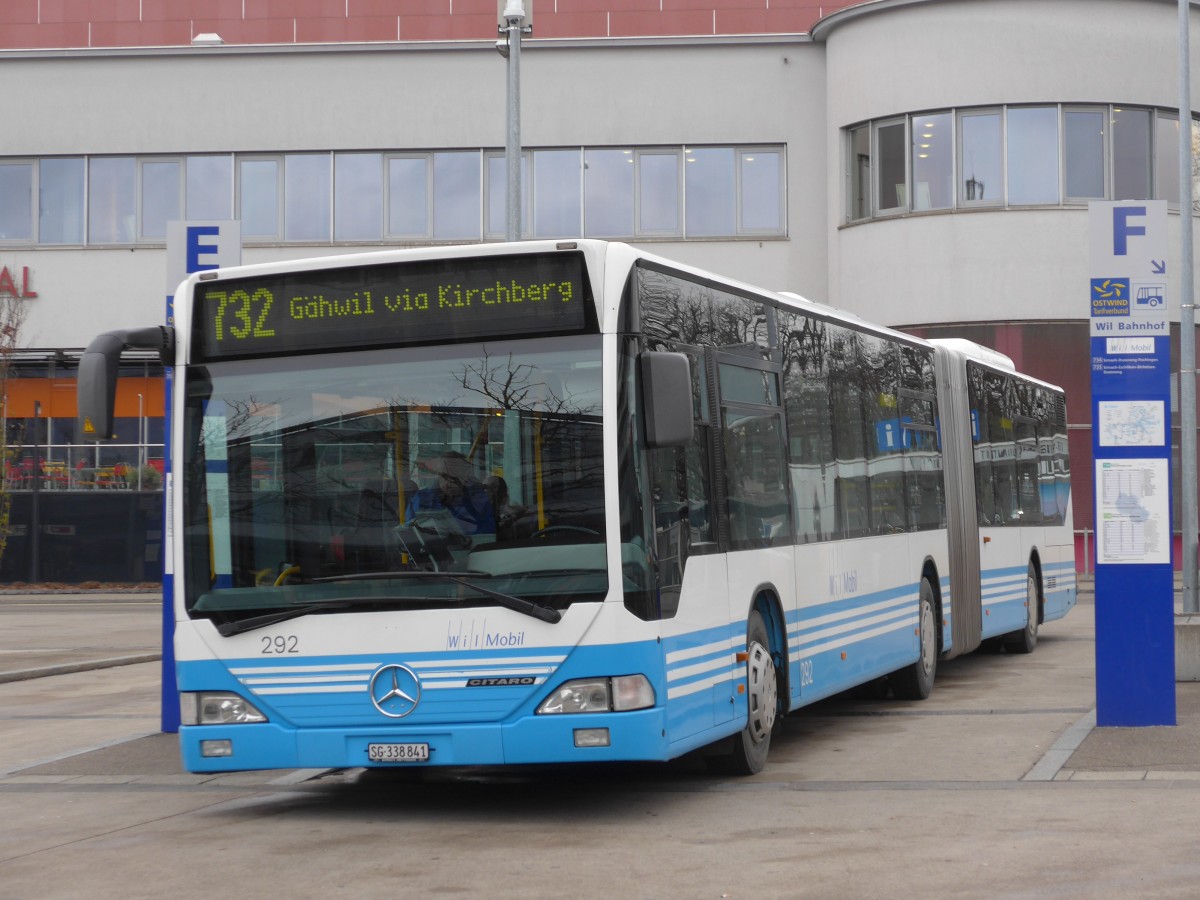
(837, 644)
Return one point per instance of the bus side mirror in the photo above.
(667, 398)
(98, 367)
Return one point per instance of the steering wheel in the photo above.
(437, 527)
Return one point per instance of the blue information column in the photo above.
(191, 247)
(1131, 444)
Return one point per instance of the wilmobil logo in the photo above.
(1128, 346)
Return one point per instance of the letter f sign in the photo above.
(1122, 229)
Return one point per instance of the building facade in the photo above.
(926, 164)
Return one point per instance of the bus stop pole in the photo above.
(514, 17)
(1187, 322)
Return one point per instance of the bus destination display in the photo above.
(391, 303)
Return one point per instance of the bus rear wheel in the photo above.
(1025, 640)
(747, 750)
(915, 682)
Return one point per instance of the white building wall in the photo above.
(897, 57)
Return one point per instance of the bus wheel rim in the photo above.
(763, 692)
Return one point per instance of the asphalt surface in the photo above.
(44, 636)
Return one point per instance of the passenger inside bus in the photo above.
(457, 491)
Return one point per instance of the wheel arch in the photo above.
(1035, 560)
(766, 601)
(929, 572)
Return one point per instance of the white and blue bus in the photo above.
(570, 502)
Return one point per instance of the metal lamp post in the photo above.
(513, 21)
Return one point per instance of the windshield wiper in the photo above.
(516, 604)
(241, 626)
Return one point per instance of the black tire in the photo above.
(1025, 640)
(915, 682)
(746, 752)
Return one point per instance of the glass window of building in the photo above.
(16, 201)
(209, 188)
(760, 177)
(497, 195)
(710, 191)
(859, 173)
(608, 193)
(307, 186)
(891, 185)
(981, 159)
(258, 201)
(657, 192)
(1084, 141)
(1033, 155)
(557, 193)
(457, 197)
(161, 196)
(358, 197)
(408, 196)
(932, 155)
(1166, 158)
(112, 216)
(60, 201)
(1131, 154)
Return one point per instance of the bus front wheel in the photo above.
(747, 754)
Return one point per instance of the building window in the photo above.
(858, 174)
(608, 180)
(410, 200)
(161, 196)
(497, 195)
(1084, 144)
(258, 196)
(932, 155)
(761, 192)
(307, 183)
(358, 197)
(60, 201)
(658, 193)
(1044, 155)
(557, 193)
(457, 197)
(209, 187)
(1033, 155)
(1131, 154)
(647, 193)
(112, 215)
(16, 201)
(981, 166)
(710, 191)
(891, 187)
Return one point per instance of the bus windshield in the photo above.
(462, 475)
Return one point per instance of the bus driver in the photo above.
(457, 491)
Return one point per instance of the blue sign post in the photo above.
(1131, 445)
(191, 247)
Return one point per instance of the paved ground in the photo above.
(997, 786)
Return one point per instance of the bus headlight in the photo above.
(588, 695)
(217, 708)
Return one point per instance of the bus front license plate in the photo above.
(398, 753)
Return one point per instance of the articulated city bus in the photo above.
(570, 502)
